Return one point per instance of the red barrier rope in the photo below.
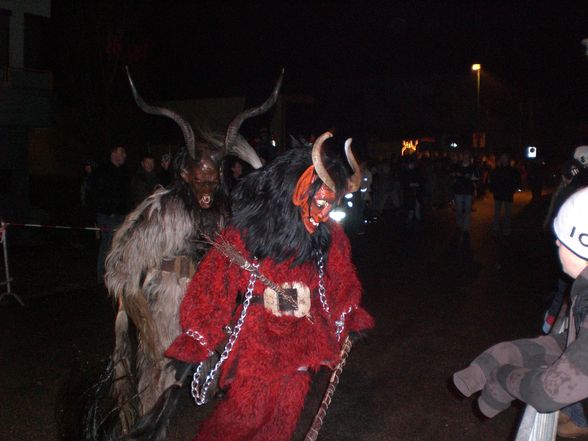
(54, 227)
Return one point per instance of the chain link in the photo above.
(321, 286)
(198, 337)
(199, 393)
(341, 322)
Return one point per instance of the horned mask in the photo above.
(316, 209)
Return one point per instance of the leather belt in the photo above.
(181, 265)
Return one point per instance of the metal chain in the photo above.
(199, 338)
(321, 286)
(341, 322)
(199, 393)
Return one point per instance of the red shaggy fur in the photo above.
(267, 390)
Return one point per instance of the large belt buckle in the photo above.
(294, 302)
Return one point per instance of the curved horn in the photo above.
(154, 110)
(317, 160)
(235, 124)
(354, 182)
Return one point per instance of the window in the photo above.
(4, 37)
(36, 42)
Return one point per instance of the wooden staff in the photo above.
(317, 422)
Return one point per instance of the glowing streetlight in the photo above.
(477, 68)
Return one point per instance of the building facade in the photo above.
(26, 97)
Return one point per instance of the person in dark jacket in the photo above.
(411, 184)
(504, 182)
(464, 175)
(165, 175)
(112, 195)
(145, 180)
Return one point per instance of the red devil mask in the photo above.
(313, 210)
(316, 209)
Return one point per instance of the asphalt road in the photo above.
(436, 308)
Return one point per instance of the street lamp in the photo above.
(477, 68)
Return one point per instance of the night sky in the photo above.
(534, 45)
(335, 50)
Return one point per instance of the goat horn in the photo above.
(155, 110)
(317, 160)
(235, 124)
(354, 182)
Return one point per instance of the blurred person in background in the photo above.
(411, 183)
(144, 180)
(165, 173)
(504, 182)
(111, 186)
(464, 176)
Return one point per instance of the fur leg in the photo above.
(124, 389)
(258, 409)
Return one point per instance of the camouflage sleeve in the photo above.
(486, 372)
(549, 388)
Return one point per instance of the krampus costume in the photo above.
(152, 259)
(280, 224)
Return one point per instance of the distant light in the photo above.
(337, 216)
(350, 204)
(409, 147)
(363, 190)
(274, 142)
(476, 67)
(453, 145)
(349, 196)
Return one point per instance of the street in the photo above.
(436, 308)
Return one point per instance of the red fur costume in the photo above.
(270, 362)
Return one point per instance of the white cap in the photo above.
(581, 155)
(571, 223)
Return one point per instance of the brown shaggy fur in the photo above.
(160, 229)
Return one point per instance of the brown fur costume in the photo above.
(152, 258)
(140, 275)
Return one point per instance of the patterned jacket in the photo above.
(549, 377)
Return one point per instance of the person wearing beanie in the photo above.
(549, 372)
(573, 178)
